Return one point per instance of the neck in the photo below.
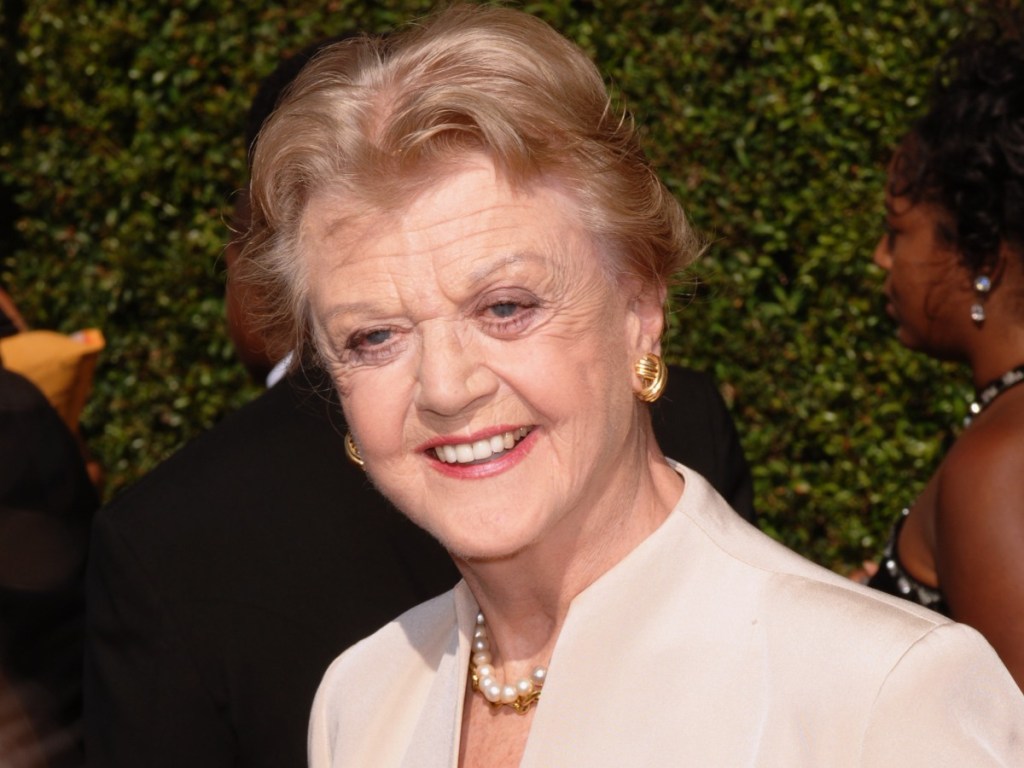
(984, 374)
(526, 597)
(999, 347)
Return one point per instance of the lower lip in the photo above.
(503, 463)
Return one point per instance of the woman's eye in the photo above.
(374, 338)
(373, 346)
(504, 309)
(509, 317)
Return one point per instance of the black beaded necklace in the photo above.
(992, 390)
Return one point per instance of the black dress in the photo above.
(892, 578)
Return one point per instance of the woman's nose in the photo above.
(452, 376)
(881, 256)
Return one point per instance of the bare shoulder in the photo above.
(985, 468)
(979, 542)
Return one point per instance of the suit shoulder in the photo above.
(690, 382)
(244, 457)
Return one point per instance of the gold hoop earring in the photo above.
(654, 375)
(352, 451)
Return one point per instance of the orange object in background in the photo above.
(61, 365)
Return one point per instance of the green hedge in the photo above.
(122, 144)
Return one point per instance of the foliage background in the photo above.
(121, 145)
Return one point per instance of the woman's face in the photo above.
(484, 357)
(928, 289)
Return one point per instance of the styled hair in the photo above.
(965, 155)
(274, 85)
(375, 121)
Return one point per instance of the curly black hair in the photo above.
(965, 155)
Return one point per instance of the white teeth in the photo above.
(464, 453)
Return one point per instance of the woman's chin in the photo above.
(482, 545)
(909, 339)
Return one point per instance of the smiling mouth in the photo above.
(480, 450)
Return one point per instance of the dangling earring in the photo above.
(654, 375)
(352, 451)
(982, 287)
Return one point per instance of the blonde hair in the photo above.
(376, 120)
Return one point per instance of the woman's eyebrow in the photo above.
(347, 308)
(504, 262)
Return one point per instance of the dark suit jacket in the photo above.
(222, 585)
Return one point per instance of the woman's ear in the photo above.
(1006, 259)
(646, 317)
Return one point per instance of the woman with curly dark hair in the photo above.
(953, 252)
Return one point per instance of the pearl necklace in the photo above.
(992, 390)
(521, 695)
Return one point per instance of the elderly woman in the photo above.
(471, 239)
(953, 253)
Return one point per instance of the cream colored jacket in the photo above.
(708, 645)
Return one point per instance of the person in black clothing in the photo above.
(46, 506)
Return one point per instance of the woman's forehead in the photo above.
(474, 203)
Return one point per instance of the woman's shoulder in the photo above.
(983, 473)
(786, 590)
(426, 629)
(377, 687)
(375, 694)
(993, 443)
